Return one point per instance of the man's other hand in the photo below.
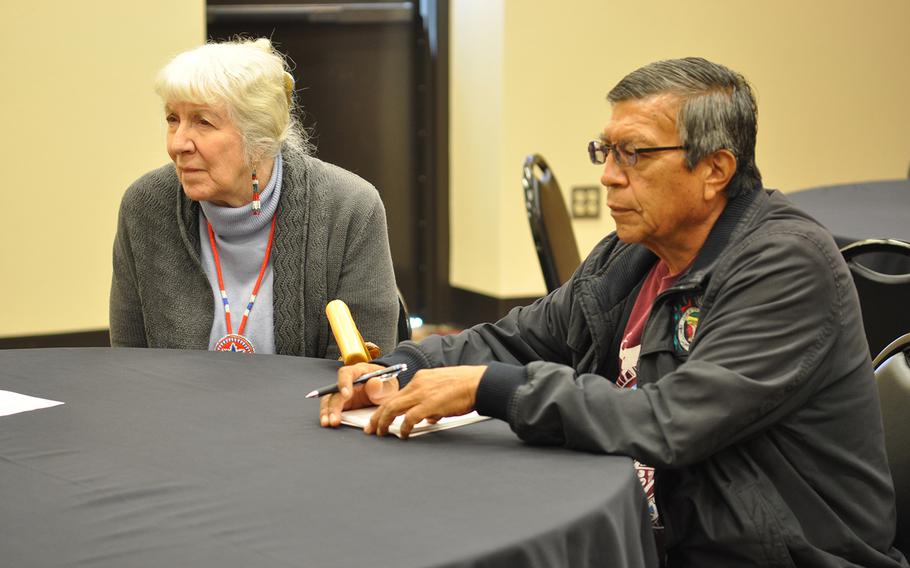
(432, 394)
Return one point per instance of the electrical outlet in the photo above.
(586, 202)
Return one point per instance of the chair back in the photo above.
(404, 319)
(884, 295)
(892, 375)
(551, 227)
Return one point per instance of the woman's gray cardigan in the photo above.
(330, 242)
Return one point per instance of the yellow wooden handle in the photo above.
(350, 343)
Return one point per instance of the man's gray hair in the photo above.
(718, 111)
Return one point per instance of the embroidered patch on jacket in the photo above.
(686, 318)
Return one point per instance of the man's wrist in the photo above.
(497, 388)
(401, 356)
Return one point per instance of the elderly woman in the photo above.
(240, 243)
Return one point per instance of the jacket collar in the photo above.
(631, 262)
(732, 220)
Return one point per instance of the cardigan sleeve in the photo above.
(366, 281)
(127, 326)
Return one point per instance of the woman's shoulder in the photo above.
(153, 189)
(337, 184)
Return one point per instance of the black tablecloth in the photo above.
(193, 458)
(858, 211)
(853, 212)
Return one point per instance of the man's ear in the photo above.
(719, 168)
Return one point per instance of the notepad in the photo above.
(361, 417)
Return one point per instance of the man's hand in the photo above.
(432, 394)
(371, 393)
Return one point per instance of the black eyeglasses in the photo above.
(625, 154)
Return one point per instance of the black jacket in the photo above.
(756, 401)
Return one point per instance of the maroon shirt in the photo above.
(657, 280)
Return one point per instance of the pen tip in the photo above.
(312, 394)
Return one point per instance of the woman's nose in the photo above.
(180, 141)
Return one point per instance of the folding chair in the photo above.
(883, 297)
(551, 227)
(892, 375)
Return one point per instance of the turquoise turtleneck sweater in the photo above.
(242, 238)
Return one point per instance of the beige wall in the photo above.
(830, 76)
(477, 99)
(80, 123)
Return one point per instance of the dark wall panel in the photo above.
(355, 75)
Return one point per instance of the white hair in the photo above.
(251, 79)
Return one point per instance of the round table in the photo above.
(855, 211)
(195, 458)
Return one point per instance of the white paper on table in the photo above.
(13, 403)
(361, 417)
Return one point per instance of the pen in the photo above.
(384, 374)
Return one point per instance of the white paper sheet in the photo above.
(13, 403)
(361, 417)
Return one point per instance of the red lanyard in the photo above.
(224, 297)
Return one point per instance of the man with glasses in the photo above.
(715, 338)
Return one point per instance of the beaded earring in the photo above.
(257, 205)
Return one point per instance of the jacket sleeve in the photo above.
(127, 326)
(525, 334)
(759, 353)
(367, 280)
